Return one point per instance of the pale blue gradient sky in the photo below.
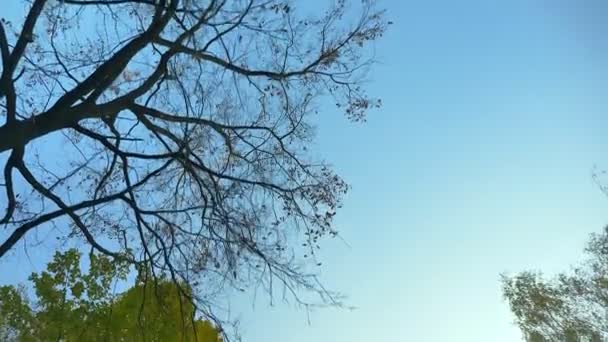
(479, 163)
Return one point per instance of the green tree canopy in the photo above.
(570, 307)
(73, 306)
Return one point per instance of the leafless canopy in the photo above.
(173, 133)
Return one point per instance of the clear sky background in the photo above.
(479, 163)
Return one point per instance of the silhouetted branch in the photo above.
(186, 127)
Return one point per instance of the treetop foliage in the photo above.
(72, 306)
(570, 307)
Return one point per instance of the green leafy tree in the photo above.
(72, 306)
(571, 307)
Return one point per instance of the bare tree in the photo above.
(173, 133)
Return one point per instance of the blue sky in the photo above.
(479, 163)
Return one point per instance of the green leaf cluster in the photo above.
(70, 305)
(570, 307)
